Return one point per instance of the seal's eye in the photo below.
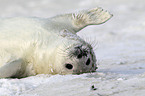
(69, 66)
(88, 61)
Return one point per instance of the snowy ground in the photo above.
(120, 50)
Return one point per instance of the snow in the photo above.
(120, 50)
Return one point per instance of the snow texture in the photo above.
(120, 50)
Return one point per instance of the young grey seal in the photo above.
(31, 45)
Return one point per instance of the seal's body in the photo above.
(30, 46)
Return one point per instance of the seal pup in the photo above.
(31, 45)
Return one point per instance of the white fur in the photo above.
(42, 43)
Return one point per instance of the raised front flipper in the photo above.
(77, 21)
(12, 69)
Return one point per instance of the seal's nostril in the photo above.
(88, 61)
(79, 56)
(69, 66)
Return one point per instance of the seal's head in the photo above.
(75, 57)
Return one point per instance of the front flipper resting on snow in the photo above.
(77, 21)
(12, 69)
